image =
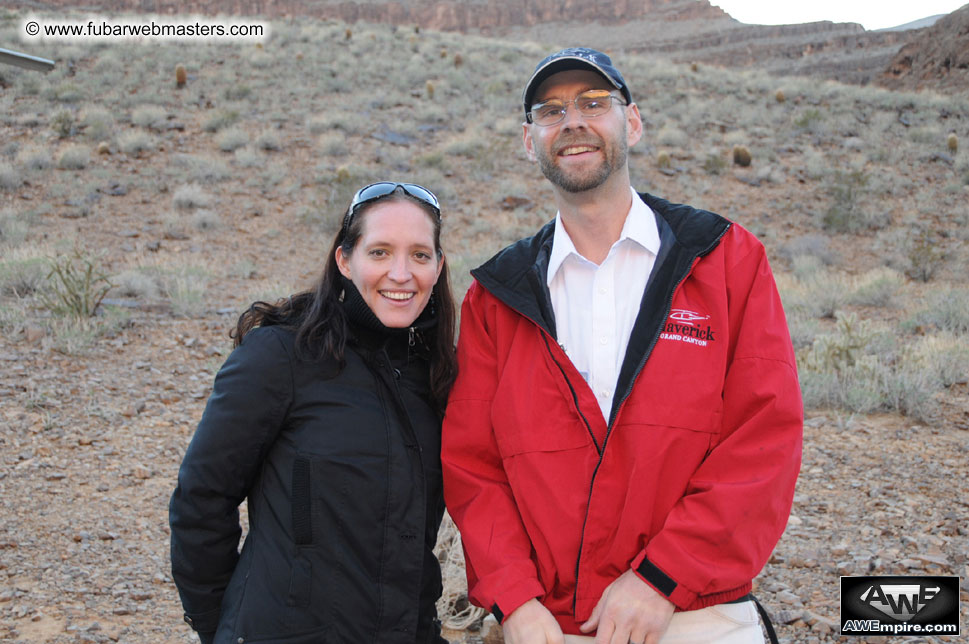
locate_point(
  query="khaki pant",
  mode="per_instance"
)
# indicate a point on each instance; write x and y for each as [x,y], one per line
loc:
[720,624]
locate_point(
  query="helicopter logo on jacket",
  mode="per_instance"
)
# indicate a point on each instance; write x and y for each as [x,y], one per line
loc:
[688,326]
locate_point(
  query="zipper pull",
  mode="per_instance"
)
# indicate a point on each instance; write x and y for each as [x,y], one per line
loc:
[410,336]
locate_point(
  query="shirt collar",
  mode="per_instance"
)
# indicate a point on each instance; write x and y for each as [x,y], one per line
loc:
[639,227]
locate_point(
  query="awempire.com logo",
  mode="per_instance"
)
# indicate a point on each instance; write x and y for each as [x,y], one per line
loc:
[899,605]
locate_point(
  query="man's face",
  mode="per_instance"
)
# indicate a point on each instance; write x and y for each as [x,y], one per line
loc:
[580,154]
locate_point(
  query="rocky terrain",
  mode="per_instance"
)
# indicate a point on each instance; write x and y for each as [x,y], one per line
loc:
[937,57]
[194,201]
[680,30]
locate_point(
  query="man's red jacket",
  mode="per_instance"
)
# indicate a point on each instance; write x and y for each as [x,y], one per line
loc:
[691,481]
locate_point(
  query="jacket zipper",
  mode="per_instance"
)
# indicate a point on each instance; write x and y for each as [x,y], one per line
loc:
[575,397]
[626,393]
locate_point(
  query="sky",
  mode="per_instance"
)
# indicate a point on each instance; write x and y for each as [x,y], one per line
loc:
[871,14]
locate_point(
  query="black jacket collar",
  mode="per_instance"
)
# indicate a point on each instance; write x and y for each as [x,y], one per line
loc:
[517,277]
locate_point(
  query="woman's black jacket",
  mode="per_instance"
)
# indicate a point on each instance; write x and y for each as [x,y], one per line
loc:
[341,468]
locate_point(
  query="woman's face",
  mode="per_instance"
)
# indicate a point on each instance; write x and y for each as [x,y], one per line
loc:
[394,264]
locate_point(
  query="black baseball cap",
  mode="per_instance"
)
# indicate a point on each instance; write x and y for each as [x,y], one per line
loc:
[574,58]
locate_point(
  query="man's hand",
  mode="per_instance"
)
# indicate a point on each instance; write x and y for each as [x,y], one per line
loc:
[531,623]
[629,611]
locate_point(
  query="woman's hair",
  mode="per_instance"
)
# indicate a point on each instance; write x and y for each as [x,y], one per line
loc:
[320,322]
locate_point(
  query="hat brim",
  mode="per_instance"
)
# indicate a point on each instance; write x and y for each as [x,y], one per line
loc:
[565,64]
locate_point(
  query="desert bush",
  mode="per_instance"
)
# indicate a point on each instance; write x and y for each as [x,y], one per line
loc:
[847,210]
[333,144]
[246,158]
[64,93]
[74,157]
[190,197]
[219,119]
[150,116]
[206,220]
[925,256]
[13,229]
[811,245]
[22,273]
[952,143]
[469,145]
[77,284]
[663,159]
[944,356]
[818,293]
[202,169]
[137,284]
[62,124]
[180,76]
[135,143]
[237,92]
[185,289]
[13,316]
[876,288]
[946,309]
[714,163]
[810,120]
[9,177]
[34,157]
[269,141]
[859,367]
[672,136]
[231,139]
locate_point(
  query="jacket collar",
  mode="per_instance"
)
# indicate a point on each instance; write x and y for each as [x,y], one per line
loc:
[517,277]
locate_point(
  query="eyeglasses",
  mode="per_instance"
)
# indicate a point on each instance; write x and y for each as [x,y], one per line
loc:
[381,189]
[590,104]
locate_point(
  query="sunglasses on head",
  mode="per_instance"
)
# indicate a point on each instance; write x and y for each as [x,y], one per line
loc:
[381,189]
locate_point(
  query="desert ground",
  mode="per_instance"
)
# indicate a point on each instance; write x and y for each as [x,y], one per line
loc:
[180,205]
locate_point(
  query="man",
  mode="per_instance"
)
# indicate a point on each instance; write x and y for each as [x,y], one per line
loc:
[621,446]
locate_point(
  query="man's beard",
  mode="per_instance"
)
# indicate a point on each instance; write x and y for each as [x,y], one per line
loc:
[615,158]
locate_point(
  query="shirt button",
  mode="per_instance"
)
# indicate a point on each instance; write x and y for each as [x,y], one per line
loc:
[602,290]
[603,340]
[603,394]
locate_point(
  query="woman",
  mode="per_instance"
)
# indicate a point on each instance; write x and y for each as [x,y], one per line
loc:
[326,417]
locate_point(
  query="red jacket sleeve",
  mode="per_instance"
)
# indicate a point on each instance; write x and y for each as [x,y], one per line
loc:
[721,533]
[501,573]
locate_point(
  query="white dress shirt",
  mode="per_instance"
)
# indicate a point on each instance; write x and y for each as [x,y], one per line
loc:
[596,306]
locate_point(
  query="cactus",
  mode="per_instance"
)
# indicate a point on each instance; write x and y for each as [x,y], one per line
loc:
[348,33]
[180,76]
[694,67]
[779,96]
[443,52]
[741,155]
[104,148]
[952,141]
[429,86]
[458,60]
[663,160]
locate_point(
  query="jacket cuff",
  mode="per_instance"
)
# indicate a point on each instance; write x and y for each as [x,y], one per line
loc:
[507,602]
[207,622]
[662,583]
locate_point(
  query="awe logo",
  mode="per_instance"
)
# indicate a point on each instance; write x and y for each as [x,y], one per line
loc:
[901,601]
[900,605]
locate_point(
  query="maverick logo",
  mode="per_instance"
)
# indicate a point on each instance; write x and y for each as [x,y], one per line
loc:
[685,326]
[899,605]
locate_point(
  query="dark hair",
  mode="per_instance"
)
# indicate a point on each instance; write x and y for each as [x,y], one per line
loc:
[320,322]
